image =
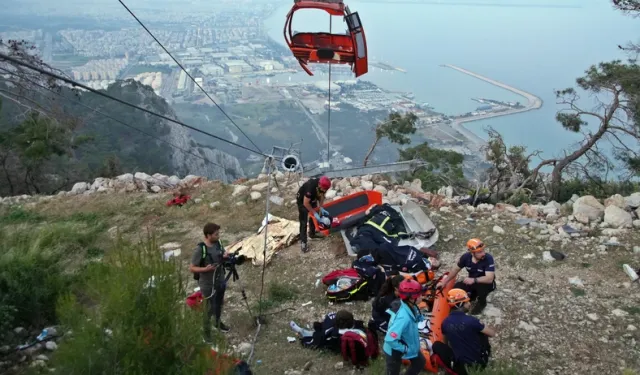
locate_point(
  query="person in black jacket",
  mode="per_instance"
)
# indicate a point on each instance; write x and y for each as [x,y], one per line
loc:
[326,334]
[310,198]
[380,228]
[388,294]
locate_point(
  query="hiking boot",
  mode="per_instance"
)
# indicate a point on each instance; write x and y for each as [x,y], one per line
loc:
[314,236]
[304,247]
[222,327]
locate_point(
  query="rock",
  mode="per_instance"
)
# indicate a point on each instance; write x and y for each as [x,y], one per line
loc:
[244,348]
[51,345]
[636,223]
[20,332]
[125,178]
[631,327]
[338,366]
[589,206]
[276,200]
[633,200]
[617,217]
[526,326]
[498,229]
[636,249]
[255,195]
[214,204]
[173,180]
[330,194]
[593,317]
[445,209]
[239,189]
[615,200]
[619,313]
[381,189]
[79,188]
[416,185]
[260,187]
[581,218]
[38,363]
[366,185]
[307,366]
[156,189]
[546,256]
[576,281]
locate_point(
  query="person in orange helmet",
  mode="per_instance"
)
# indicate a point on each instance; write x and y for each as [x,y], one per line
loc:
[481,269]
[465,339]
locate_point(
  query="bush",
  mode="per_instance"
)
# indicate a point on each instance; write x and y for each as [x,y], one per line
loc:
[31,277]
[130,318]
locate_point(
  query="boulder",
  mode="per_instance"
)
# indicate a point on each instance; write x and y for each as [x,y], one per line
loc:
[239,189]
[260,187]
[616,217]
[589,206]
[366,185]
[616,200]
[380,189]
[633,200]
[79,187]
[255,195]
[330,194]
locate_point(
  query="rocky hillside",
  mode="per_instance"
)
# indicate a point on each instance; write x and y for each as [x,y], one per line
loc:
[563,303]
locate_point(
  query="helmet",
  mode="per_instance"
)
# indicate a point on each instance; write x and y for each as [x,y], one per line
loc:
[324,183]
[475,245]
[409,288]
[456,297]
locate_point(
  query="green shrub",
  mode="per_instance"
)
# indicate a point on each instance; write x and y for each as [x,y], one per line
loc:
[31,277]
[150,328]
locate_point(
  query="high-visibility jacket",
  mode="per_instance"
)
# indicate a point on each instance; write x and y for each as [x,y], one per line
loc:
[387,220]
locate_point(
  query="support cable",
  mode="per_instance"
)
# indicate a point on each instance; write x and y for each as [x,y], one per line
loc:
[187,73]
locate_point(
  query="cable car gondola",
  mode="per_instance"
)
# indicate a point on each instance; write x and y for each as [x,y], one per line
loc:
[349,48]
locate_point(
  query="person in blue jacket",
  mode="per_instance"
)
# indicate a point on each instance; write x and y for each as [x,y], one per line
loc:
[403,339]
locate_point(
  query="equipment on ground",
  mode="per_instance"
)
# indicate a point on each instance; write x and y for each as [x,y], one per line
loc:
[321,47]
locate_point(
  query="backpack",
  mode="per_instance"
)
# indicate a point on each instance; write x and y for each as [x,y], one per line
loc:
[356,349]
[346,285]
[196,275]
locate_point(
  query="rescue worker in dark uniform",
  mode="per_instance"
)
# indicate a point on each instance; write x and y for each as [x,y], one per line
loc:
[466,339]
[380,228]
[481,268]
[310,198]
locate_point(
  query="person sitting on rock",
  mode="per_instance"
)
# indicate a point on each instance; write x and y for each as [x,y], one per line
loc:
[466,339]
[481,269]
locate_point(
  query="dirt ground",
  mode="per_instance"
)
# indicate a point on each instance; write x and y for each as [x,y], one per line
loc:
[545,324]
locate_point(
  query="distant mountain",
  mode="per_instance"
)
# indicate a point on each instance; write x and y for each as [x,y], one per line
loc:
[112,147]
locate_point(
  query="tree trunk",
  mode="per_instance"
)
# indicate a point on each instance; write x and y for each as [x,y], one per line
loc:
[8,177]
[373,146]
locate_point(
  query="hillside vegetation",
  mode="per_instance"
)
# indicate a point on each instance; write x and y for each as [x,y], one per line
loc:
[91,253]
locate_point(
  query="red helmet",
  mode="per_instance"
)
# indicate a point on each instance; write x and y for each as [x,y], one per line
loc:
[409,288]
[325,183]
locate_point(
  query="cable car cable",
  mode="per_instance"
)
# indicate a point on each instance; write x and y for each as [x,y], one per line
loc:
[189,75]
[329,113]
[78,84]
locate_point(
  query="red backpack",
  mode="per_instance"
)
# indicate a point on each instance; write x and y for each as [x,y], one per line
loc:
[355,348]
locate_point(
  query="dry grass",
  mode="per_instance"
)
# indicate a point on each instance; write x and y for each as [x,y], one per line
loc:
[290,279]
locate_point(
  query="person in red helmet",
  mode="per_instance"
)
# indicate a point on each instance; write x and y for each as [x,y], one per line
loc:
[403,339]
[310,198]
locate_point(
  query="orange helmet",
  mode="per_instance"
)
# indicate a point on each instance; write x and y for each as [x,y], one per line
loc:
[457,296]
[475,245]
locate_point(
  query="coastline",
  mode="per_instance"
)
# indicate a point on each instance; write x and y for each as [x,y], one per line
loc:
[533,103]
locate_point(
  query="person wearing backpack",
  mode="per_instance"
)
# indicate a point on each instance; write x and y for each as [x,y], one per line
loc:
[207,267]
[402,340]
[380,305]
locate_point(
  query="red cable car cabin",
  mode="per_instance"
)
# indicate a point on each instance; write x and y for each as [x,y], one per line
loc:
[325,48]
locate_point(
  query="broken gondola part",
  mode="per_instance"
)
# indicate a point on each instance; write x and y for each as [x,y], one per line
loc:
[321,47]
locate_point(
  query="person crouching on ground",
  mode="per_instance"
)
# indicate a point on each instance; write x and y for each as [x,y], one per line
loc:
[481,269]
[206,264]
[402,340]
[466,339]
[388,293]
[311,196]
[326,334]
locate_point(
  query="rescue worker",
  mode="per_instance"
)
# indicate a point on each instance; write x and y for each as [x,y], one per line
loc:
[402,340]
[466,339]
[207,266]
[380,228]
[310,198]
[481,279]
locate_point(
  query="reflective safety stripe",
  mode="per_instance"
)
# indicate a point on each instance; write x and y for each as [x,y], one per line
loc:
[380,226]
